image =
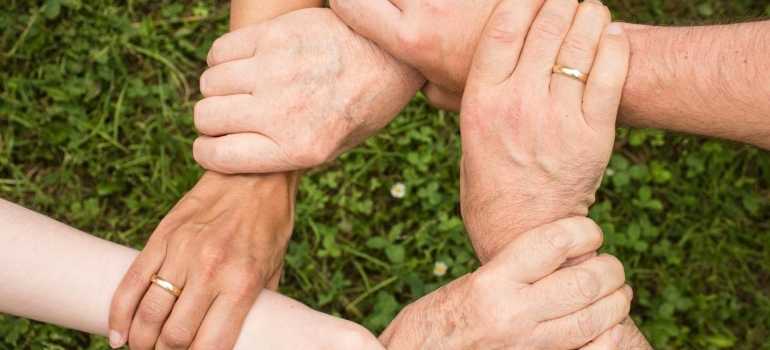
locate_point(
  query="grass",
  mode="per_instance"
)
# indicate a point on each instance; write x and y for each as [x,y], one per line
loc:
[96,127]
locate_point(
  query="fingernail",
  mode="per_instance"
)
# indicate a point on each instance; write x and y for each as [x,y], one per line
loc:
[617,333]
[613,29]
[116,340]
[593,1]
[201,83]
[629,291]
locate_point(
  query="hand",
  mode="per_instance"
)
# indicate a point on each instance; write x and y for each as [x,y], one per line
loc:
[437,37]
[293,93]
[221,244]
[519,300]
[535,143]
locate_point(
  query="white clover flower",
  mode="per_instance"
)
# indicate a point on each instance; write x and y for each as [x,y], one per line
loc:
[398,190]
[609,172]
[439,269]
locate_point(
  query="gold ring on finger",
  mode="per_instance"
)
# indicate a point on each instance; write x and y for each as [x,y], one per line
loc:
[168,286]
[571,73]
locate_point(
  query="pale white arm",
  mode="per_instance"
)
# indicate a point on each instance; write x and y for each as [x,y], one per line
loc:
[56,274]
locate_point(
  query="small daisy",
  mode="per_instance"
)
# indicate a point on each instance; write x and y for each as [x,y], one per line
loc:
[439,269]
[609,172]
[398,190]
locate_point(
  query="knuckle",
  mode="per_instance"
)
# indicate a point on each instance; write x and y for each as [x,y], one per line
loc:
[278,34]
[135,279]
[585,228]
[615,265]
[310,157]
[411,40]
[212,257]
[586,285]
[135,343]
[606,88]
[556,237]
[246,287]
[587,326]
[550,26]
[504,29]
[177,337]
[579,47]
[151,312]
[437,8]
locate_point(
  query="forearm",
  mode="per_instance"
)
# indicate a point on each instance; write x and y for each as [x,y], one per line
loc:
[244,13]
[710,80]
[248,12]
[57,274]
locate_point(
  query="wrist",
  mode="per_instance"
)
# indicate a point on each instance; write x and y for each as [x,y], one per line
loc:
[283,185]
[270,197]
[523,205]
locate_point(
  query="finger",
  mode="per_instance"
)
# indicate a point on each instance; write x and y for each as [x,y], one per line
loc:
[608,75]
[275,281]
[545,39]
[579,48]
[246,153]
[578,260]
[234,77]
[571,289]
[130,291]
[223,322]
[236,45]
[539,252]
[497,53]
[222,115]
[577,329]
[154,310]
[376,20]
[609,340]
[186,317]
[442,98]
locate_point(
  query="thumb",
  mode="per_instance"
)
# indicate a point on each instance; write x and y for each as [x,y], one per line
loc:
[609,340]
[539,252]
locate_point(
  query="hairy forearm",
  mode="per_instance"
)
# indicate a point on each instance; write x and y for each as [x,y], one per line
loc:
[633,339]
[710,80]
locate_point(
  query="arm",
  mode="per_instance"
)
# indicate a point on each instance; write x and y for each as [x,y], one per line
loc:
[535,144]
[248,12]
[709,80]
[702,80]
[239,224]
[63,276]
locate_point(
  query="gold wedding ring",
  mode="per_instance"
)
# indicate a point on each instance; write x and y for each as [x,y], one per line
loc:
[168,286]
[570,72]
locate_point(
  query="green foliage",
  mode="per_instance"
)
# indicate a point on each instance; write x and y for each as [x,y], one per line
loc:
[96,127]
